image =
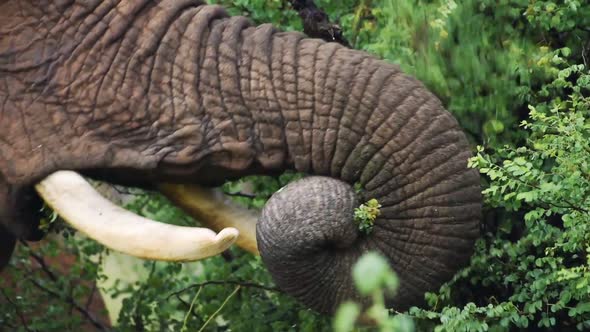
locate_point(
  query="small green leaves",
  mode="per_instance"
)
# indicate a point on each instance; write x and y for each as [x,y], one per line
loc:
[372,272]
[373,277]
[49,217]
[346,317]
[366,214]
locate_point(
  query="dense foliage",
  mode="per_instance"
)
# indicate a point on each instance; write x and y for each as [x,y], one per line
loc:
[513,72]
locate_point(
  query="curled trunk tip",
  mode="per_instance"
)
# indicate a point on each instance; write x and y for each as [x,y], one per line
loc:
[309,241]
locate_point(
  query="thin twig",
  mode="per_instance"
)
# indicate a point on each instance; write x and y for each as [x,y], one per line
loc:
[584,54]
[226,282]
[220,308]
[43,266]
[190,309]
[241,194]
[186,304]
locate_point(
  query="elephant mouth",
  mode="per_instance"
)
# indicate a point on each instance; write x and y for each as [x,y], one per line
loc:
[86,210]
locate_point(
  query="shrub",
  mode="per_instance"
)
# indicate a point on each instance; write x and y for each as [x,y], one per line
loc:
[533,271]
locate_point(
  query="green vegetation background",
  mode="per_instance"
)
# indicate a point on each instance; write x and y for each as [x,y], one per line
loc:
[515,74]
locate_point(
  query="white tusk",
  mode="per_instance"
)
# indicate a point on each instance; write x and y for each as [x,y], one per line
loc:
[215,210]
[79,204]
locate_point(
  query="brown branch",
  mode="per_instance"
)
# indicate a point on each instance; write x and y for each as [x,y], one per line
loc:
[43,266]
[90,296]
[316,23]
[244,284]
[241,194]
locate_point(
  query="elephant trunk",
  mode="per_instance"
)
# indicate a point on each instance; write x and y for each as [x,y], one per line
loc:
[272,100]
[359,121]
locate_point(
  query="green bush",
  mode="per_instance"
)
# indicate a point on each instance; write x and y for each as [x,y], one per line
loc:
[533,270]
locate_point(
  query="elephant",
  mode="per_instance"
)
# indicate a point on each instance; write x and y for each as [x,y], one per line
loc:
[179,96]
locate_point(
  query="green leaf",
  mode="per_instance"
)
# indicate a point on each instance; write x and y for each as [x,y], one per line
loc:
[372,272]
[346,316]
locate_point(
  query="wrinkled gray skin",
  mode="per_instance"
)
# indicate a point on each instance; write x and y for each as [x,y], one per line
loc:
[142,91]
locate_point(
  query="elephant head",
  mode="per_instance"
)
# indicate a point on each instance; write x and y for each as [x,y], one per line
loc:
[170,93]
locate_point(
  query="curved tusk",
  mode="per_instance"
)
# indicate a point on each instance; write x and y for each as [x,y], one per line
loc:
[215,210]
[79,204]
